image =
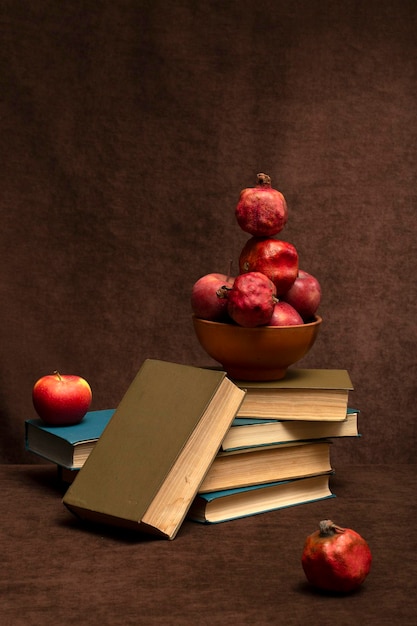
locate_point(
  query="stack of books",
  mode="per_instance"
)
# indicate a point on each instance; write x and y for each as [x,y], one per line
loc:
[266,445]
[277,451]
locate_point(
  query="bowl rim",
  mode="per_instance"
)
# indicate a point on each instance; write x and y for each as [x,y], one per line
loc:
[318,320]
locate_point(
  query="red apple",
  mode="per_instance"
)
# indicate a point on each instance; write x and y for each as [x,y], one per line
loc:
[285,315]
[205,302]
[304,295]
[61,399]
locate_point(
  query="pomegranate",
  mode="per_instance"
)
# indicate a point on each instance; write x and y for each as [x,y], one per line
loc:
[304,295]
[275,258]
[285,315]
[261,210]
[205,302]
[251,300]
[336,559]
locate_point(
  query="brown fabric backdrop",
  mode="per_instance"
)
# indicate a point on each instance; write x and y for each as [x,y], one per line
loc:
[127,131]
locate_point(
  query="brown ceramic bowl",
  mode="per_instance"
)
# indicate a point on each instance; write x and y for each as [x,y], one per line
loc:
[262,353]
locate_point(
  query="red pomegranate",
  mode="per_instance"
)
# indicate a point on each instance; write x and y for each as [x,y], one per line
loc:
[205,302]
[285,315]
[261,210]
[275,258]
[251,300]
[304,295]
[336,559]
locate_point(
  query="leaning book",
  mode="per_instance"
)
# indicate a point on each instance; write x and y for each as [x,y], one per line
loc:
[229,504]
[151,458]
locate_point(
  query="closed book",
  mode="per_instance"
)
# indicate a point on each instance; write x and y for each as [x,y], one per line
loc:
[303,394]
[254,466]
[229,504]
[67,446]
[246,432]
[148,464]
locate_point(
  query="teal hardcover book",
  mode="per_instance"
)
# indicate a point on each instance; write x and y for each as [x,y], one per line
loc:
[67,446]
[244,433]
[221,506]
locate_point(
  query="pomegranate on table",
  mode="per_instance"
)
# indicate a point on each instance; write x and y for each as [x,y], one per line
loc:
[275,258]
[261,210]
[251,300]
[335,558]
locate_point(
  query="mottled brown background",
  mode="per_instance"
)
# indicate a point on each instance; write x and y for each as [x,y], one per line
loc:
[127,131]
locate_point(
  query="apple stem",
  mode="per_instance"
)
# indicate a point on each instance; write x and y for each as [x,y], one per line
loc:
[58,374]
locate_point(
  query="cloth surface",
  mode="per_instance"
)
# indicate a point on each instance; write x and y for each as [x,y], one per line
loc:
[57,571]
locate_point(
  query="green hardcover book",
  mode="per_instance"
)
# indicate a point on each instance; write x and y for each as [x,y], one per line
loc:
[67,446]
[303,394]
[229,504]
[148,464]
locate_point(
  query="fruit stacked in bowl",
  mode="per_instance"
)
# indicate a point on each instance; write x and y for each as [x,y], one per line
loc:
[263,320]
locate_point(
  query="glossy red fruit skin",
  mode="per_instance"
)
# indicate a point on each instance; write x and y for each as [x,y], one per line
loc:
[285,315]
[304,295]
[251,300]
[61,400]
[205,302]
[275,258]
[261,211]
[336,559]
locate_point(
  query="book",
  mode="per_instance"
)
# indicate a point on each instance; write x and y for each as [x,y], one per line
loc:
[303,394]
[249,432]
[146,468]
[229,504]
[254,466]
[255,433]
[67,446]
[267,464]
